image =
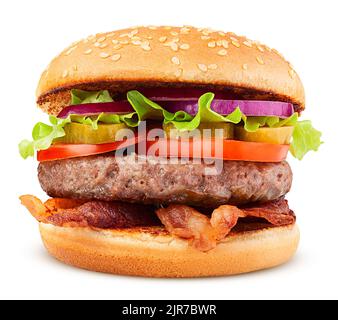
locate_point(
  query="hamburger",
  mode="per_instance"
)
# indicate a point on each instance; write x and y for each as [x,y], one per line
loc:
[165,155]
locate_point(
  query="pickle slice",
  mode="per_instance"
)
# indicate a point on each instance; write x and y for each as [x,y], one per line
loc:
[280,135]
[83,133]
[224,130]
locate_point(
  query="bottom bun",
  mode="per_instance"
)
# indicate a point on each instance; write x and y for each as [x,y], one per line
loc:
[152,252]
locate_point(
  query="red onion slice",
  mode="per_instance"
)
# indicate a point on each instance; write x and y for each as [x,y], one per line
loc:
[89,109]
[225,107]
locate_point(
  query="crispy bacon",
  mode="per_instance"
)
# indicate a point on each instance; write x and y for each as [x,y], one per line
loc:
[36,207]
[185,222]
[223,219]
[96,214]
[105,215]
[276,212]
[204,233]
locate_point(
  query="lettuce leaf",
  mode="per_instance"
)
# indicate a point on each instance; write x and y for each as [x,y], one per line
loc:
[304,139]
[93,121]
[43,136]
[81,96]
[147,109]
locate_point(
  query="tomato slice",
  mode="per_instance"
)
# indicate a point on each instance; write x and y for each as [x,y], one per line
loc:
[64,151]
[207,148]
[213,148]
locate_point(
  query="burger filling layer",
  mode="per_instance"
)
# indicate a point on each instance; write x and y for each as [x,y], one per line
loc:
[193,163]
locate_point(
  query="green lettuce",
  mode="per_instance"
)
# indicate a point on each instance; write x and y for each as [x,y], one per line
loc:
[305,137]
[147,109]
[81,96]
[43,136]
[94,121]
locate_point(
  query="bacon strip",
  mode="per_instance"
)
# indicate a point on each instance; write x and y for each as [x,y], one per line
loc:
[204,233]
[276,212]
[105,215]
[97,214]
[179,220]
[187,223]
[35,206]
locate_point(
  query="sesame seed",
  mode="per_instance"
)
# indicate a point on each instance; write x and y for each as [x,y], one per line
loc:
[124,42]
[103,45]
[65,74]
[175,60]
[97,44]
[178,72]
[212,66]
[225,44]
[278,53]
[91,37]
[114,41]
[260,60]
[248,43]
[116,57]
[245,66]
[172,45]
[162,39]
[75,67]
[175,40]
[174,33]
[184,30]
[101,39]
[134,32]
[167,28]
[260,48]
[88,51]
[136,42]
[222,34]
[234,39]
[209,30]
[70,51]
[292,73]
[222,52]
[124,35]
[150,37]
[152,27]
[117,46]
[202,67]
[104,55]
[205,37]
[235,43]
[212,44]
[135,38]
[184,46]
[145,46]
[219,43]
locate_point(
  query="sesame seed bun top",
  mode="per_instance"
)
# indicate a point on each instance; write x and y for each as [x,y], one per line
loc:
[174,56]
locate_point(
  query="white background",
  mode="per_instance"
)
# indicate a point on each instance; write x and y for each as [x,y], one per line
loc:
[32,32]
